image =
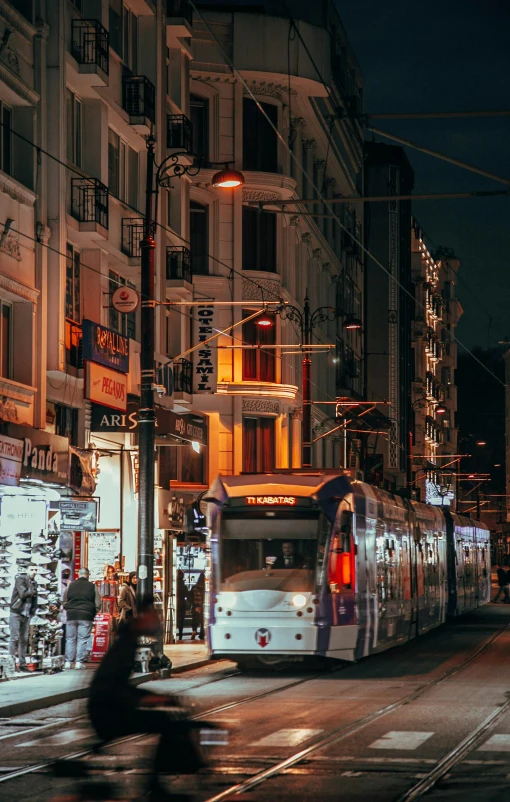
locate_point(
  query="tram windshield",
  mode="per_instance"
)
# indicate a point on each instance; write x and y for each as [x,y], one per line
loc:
[280,552]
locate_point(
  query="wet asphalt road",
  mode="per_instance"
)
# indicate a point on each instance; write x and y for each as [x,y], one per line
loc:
[445,704]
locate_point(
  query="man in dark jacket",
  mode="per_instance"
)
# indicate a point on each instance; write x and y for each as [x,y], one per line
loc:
[82,602]
[503,579]
[23,607]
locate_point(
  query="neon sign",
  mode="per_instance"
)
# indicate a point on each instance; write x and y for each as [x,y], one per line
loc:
[272,501]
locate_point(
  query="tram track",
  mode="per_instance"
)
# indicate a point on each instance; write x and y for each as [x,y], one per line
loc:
[426,783]
[37,767]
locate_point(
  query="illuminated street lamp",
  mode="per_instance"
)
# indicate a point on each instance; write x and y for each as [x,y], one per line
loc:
[146,421]
[481,443]
[441,409]
[352,323]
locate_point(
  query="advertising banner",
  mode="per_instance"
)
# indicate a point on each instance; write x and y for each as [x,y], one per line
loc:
[105,386]
[205,359]
[103,549]
[105,346]
[78,516]
[102,636]
[11,457]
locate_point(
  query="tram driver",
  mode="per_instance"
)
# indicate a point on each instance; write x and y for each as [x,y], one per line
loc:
[288,559]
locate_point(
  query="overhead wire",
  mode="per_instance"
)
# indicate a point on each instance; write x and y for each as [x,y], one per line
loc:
[230,63]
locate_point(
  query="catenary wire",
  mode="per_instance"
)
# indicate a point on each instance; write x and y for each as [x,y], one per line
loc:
[230,63]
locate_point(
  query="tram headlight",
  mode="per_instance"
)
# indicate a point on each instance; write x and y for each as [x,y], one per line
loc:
[299,600]
[228,599]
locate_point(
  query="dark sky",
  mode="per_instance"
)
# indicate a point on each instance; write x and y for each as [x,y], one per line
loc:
[448,55]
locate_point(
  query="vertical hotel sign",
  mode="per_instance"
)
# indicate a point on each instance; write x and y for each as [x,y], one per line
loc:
[205,365]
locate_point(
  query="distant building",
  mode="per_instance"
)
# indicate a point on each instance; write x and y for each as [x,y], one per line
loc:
[389,311]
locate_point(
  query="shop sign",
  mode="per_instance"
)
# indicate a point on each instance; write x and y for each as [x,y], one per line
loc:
[187,427]
[105,346]
[78,516]
[77,554]
[204,367]
[125,300]
[45,456]
[102,637]
[11,458]
[105,386]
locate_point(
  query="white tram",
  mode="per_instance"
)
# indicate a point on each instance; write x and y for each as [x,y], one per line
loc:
[316,564]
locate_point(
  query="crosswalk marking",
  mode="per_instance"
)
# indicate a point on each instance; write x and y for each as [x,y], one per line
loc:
[496,743]
[401,740]
[59,739]
[287,737]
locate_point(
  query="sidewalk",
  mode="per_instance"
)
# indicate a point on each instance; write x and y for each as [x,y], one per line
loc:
[27,693]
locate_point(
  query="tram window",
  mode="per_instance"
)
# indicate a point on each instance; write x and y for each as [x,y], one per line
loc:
[275,563]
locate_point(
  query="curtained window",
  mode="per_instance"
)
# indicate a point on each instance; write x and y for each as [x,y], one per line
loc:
[259,240]
[199,238]
[258,445]
[260,143]
[257,362]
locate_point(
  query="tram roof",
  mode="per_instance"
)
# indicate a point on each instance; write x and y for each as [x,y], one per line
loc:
[295,484]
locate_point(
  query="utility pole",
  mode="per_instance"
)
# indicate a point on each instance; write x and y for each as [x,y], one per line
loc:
[306,367]
[146,419]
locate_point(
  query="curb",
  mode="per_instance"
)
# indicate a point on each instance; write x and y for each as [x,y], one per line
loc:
[29,705]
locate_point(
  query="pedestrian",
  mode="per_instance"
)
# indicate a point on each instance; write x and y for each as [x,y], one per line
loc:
[182,598]
[503,579]
[22,608]
[82,602]
[127,597]
[197,607]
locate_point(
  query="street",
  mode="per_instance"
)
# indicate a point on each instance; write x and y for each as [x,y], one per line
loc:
[433,712]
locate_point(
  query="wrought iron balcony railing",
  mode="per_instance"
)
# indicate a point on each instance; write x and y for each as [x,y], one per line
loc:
[132,235]
[179,132]
[89,201]
[139,97]
[180,9]
[178,264]
[183,372]
[90,43]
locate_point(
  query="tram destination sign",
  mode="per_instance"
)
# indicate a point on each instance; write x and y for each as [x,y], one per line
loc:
[287,502]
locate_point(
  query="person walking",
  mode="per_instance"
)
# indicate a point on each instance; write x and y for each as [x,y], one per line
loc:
[503,580]
[127,597]
[197,607]
[82,602]
[182,598]
[22,608]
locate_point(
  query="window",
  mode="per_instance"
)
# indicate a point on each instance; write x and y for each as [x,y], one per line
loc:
[122,170]
[258,445]
[73,282]
[259,240]
[123,28]
[24,7]
[199,113]
[62,420]
[199,238]
[260,143]
[180,463]
[74,139]
[124,324]
[6,139]
[5,340]
[258,363]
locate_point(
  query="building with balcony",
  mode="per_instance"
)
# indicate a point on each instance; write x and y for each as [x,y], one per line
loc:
[434,394]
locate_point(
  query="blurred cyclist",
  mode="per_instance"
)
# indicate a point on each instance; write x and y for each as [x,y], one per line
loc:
[116,706]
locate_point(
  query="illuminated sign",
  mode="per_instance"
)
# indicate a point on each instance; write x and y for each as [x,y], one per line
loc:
[271,501]
[105,346]
[105,386]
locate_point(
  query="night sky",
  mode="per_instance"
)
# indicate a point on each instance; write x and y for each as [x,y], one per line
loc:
[448,55]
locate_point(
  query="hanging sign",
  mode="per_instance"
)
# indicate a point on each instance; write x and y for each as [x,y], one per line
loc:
[78,516]
[105,386]
[125,300]
[105,346]
[204,365]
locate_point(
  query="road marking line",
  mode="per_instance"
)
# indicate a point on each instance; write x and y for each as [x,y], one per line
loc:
[287,737]
[496,743]
[60,739]
[401,740]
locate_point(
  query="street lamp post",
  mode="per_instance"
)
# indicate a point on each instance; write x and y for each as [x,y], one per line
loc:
[225,178]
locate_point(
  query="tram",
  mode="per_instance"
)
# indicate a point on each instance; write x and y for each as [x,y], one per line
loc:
[317,564]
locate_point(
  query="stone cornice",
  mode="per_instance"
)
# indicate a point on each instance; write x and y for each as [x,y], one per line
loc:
[17,391]
[19,289]
[16,190]
[18,86]
[17,20]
